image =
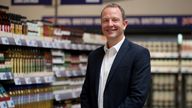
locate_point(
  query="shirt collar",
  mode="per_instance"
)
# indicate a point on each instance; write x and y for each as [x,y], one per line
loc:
[116,47]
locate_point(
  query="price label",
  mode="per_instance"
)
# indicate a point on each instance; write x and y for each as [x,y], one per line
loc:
[5,40]
[87,47]
[29,43]
[58,73]
[3,76]
[18,41]
[57,45]
[52,78]
[74,95]
[49,44]
[74,73]
[77,93]
[10,75]
[73,46]
[10,103]
[28,80]
[17,81]
[33,81]
[54,45]
[32,43]
[67,46]
[50,95]
[80,47]
[57,97]
[48,79]
[38,80]
[83,72]
[45,44]
[3,104]
[93,47]
[68,73]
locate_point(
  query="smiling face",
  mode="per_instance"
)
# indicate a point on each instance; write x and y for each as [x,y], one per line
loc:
[112,23]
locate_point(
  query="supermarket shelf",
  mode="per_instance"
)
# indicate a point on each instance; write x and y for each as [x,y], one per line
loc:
[7,104]
[186,54]
[67,94]
[68,82]
[41,78]
[57,61]
[31,42]
[6,76]
[57,53]
[164,69]
[171,70]
[57,83]
[24,99]
[164,55]
[69,73]
[186,69]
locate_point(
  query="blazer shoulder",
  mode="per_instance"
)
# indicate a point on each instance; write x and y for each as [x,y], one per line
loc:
[136,47]
[97,52]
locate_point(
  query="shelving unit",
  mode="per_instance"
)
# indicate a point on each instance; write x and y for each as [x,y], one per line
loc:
[171,70]
[62,65]
[186,68]
[164,68]
[65,72]
[42,65]
[70,76]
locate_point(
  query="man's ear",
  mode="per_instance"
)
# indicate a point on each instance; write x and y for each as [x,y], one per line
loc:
[125,23]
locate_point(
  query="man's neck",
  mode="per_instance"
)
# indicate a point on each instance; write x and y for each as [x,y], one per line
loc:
[114,41]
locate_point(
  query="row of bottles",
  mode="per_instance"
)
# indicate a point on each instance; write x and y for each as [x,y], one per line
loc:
[70,67]
[163,91]
[168,47]
[166,66]
[5,66]
[71,103]
[26,60]
[18,24]
[188,90]
[5,99]
[164,82]
[160,46]
[31,96]
[186,48]
[69,62]
[75,62]
[15,25]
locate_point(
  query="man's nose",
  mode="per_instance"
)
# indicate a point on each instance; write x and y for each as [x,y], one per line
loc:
[110,23]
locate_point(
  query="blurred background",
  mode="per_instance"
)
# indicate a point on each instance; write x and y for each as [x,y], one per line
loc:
[44,45]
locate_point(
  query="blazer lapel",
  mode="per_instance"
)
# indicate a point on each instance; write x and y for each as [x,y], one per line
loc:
[98,62]
[122,51]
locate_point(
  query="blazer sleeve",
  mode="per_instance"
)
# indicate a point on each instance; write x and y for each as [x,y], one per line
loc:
[140,81]
[84,96]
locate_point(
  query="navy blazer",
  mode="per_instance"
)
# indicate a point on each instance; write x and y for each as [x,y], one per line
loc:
[128,82]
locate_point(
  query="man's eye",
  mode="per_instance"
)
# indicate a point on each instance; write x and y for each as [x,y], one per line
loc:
[115,19]
[105,20]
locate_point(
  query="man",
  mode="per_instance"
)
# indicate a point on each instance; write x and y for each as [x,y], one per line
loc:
[118,74]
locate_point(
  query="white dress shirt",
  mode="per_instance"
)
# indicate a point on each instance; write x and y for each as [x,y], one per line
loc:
[107,62]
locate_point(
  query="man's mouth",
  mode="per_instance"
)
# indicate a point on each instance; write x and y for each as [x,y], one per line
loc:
[111,30]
